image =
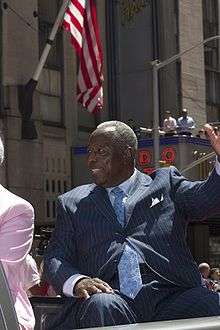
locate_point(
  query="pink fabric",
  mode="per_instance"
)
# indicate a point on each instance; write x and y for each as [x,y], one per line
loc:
[16,235]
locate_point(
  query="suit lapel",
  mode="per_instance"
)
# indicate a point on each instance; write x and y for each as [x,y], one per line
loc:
[139,190]
[100,198]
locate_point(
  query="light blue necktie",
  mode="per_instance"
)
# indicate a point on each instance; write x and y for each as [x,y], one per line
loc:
[118,204]
[128,268]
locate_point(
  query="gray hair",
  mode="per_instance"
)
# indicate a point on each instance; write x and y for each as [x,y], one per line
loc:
[121,134]
[1,151]
[203,266]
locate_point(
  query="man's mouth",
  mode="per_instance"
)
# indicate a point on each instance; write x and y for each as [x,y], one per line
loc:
[95,170]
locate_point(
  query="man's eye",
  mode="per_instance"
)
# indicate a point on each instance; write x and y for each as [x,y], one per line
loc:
[102,151]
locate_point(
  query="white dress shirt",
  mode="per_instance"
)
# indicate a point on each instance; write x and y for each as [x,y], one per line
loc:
[69,285]
[169,124]
[185,123]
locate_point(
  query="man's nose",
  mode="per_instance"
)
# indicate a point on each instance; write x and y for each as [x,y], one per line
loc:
[91,156]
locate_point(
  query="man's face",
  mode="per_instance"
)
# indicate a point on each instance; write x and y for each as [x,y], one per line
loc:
[206,272]
[184,113]
[106,161]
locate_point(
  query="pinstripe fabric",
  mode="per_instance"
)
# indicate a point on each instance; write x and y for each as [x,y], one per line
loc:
[89,240]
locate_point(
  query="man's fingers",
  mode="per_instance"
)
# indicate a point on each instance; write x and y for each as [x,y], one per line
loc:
[88,286]
[103,288]
[214,138]
[104,284]
[83,294]
[208,127]
[98,288]
[210,132]
[94,289]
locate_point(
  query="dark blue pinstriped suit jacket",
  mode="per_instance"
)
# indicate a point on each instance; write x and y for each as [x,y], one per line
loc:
[89,240]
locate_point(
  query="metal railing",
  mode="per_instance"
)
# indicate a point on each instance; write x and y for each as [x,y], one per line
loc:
[198,161]
[204,323]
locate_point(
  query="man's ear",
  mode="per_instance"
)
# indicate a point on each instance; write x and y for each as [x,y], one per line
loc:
[128,153]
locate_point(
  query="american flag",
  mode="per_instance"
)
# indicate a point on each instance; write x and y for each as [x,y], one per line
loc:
[81,20]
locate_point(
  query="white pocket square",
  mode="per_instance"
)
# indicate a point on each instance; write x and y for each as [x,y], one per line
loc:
[155,201]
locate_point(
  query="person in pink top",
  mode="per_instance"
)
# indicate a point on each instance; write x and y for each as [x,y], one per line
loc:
[16,235]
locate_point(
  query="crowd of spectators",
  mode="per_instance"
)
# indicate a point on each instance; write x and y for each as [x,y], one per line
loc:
[184,125]
[210,276]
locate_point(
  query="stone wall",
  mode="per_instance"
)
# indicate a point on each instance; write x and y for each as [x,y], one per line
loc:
[192,63]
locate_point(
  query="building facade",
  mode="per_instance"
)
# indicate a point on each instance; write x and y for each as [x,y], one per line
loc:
[133,34]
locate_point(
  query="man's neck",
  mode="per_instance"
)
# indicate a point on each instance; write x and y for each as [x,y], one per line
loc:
[126,177]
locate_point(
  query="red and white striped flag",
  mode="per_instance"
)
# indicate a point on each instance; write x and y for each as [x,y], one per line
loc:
[81,20]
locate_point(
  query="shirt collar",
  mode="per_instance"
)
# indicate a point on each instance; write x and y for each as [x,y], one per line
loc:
[126,185]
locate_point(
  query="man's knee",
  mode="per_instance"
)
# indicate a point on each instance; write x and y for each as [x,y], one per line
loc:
[103,309]
[210,304]
[195,302]
[100,301]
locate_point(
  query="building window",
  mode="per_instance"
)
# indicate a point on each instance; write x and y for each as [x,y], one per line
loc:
[59,186]
[48,209]
[210,17]
[51,108]
[53,186]
[214,250]
[213,87]
[64,186]
[47,11]
[50,82]
[54,60]
[214,241]
[54,209]
[47,186]
[211,49]
[56,179]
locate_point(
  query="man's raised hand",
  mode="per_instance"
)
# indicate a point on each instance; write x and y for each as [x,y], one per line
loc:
[214,138]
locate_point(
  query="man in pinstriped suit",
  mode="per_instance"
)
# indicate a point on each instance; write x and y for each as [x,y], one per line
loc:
[83,256]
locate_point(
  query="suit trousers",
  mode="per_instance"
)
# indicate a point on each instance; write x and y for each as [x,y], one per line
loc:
[150,304]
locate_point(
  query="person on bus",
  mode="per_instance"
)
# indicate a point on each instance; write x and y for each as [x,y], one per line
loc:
[16,235]
[118,251]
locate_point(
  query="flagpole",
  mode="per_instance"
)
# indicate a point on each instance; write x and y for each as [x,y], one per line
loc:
[50,40]
[156,119]
[26,95]
[157,65]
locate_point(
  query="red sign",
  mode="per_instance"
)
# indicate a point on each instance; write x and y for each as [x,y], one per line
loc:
[168,155]
[144,157]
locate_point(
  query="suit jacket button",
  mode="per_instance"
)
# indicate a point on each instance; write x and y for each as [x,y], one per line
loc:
[119,237]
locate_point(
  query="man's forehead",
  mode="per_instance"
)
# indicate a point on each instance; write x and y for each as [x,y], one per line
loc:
[104,130]
[106,133]
[99,144]
[101,140]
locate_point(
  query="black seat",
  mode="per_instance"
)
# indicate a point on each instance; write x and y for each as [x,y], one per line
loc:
[45,307]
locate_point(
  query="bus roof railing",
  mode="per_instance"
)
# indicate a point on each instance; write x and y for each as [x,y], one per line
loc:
[198,161]
[203,323]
